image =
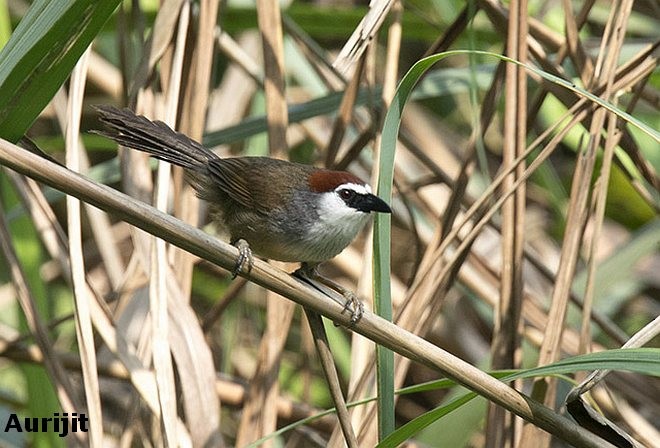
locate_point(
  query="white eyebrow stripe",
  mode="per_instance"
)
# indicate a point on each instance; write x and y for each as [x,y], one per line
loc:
[358,188]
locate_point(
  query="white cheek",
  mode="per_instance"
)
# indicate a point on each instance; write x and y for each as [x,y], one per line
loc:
[333,210]
[338,224]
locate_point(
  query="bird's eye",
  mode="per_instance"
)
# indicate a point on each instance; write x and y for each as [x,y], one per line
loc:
[346,194]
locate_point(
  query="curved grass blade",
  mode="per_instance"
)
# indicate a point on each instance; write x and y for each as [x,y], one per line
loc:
[642,360]
[382,227]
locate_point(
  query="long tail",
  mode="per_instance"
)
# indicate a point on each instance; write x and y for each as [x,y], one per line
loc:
[153,137]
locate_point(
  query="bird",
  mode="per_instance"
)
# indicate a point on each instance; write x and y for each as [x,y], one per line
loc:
[273,208]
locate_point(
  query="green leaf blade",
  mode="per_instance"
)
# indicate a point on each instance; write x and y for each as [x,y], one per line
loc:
[40,55]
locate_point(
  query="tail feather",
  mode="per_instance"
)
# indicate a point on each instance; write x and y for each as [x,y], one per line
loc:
[153,137]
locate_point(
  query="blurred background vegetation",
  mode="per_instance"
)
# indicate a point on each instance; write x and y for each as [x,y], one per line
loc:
[580,233]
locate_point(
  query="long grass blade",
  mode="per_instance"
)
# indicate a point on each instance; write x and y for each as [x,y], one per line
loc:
[40,55]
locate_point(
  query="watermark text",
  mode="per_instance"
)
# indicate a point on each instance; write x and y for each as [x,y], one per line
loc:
[61,424]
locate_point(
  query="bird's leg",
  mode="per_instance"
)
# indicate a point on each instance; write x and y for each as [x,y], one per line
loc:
[244,257]
[310,275]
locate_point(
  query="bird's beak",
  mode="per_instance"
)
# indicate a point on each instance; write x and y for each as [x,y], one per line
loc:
[372,203]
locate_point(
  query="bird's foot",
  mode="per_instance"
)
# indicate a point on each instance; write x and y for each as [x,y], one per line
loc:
[244,259]
[351,304]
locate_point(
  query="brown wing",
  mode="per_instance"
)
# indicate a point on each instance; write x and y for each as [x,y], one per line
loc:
[249,180]
[232,177]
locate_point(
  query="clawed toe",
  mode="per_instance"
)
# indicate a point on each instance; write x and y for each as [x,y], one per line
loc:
[354,306]
[244,256]
[351,302]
